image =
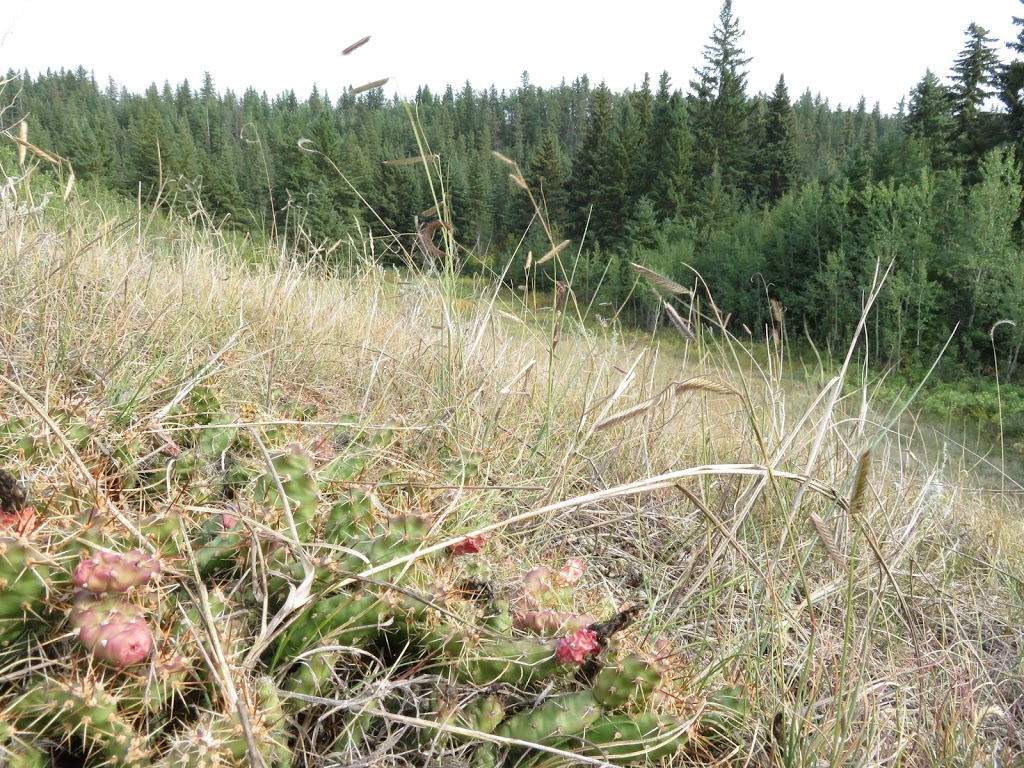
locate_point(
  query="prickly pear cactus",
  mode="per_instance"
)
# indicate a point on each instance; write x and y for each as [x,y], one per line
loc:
[215,595]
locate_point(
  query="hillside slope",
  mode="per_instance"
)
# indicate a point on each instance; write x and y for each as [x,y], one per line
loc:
[343,495]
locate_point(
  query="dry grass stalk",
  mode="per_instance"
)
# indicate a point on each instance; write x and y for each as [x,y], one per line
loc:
[678,322]
[23,145]
[355,45]
[23,142]
[552,253]
[369,86]
[417,160]
[675,388]
[508,389]
[827,540]
[860,495]
[506,160]
[660,281]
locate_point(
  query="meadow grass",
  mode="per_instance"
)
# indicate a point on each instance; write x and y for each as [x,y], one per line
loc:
[782,540]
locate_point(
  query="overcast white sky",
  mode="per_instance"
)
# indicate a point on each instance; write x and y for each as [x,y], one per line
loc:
[842,50]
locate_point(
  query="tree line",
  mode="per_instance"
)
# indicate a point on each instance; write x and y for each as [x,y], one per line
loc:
[770,200]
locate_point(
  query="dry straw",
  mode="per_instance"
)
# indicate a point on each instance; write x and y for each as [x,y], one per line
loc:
[674,389]
[356,44]
[369,86]
[417,160]
[507,161]
[660,281]
[552,253]
[678,322]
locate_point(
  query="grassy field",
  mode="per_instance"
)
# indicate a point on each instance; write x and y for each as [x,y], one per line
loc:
[807,588]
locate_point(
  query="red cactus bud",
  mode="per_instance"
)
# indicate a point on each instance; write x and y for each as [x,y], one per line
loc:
[574,648]
[468,546]
[22,521]
[107,571]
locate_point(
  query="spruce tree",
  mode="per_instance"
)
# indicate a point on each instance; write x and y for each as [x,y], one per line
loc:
[669,152]
[930,121]
[588,171]
[720,111]
[975,74]
[546,178]
[1011,87]
[643,169]
[777,156]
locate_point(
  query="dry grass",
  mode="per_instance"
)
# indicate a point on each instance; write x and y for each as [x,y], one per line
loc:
[871,607]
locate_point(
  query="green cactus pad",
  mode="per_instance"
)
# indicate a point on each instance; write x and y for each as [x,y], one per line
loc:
[349,518]
[86,712]
[24,578]
[643,737]
[216,437]
[309,678]
[340,620]
[486,661]
[484,714]
[630,683]
[724,713]
[558,716]
[294,472]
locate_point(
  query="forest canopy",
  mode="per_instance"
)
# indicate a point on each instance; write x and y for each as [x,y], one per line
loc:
[767,197]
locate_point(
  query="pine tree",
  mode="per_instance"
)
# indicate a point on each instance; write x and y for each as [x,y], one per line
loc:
[633,139]
[930,121]
[1011,86]
[720,111]
[588,173]
[975,74]
[669,152]
[777,156]
[546,178]
[642,170]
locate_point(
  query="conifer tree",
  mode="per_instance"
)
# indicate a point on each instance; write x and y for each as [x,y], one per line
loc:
[633,140]
[975,74]
[588,171]
[1011,86]
[670,152]
[643,169]
[930,121]
[777,156]
[720,111]
[547,178]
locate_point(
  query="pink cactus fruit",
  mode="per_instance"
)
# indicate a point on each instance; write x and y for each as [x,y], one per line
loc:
[115,632]
[107,571]
[574,648]
[537,585]
[468,546]
[571,572]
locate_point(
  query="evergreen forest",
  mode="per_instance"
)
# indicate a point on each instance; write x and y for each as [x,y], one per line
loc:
[770,199]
